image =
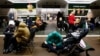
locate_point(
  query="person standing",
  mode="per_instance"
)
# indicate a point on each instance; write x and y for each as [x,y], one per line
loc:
[5,22]
[58,17]
[71,20]
[90,19]
[29,21]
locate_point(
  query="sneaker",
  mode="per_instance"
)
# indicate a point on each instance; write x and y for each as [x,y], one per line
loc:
[4,51]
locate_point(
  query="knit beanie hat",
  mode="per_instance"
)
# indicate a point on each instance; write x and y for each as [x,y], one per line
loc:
[11,22]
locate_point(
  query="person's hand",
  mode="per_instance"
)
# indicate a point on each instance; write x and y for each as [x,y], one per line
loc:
[54,45]
[74,22]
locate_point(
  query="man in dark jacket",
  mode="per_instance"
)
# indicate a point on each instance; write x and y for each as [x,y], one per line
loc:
[29,22]
[8,35]
[71,20]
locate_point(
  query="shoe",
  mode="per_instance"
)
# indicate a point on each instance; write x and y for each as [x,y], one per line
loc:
[4,51]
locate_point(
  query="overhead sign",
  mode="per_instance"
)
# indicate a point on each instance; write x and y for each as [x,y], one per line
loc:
[80,1]
[86,6]
[25,12]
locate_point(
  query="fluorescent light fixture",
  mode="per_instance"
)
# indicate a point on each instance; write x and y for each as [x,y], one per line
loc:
[49,10]
[32,1]
[23,1]
[80,1]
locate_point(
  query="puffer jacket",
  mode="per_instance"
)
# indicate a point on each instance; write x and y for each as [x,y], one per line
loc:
[22,33]
[54,37]
[71,19]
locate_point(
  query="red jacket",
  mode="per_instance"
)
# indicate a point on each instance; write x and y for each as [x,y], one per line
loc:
[71,19]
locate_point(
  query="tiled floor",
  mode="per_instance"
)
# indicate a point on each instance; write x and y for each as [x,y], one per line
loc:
[39,51]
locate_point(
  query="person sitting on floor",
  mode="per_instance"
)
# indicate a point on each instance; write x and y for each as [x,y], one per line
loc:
[54,42]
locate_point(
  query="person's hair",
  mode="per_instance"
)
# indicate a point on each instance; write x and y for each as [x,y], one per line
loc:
[28,16]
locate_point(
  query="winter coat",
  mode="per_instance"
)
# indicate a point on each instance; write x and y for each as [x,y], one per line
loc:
[29,22]
[71,19]
[22,33]
[54,37]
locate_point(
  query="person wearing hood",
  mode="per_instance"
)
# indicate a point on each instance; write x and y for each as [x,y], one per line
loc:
[22,33]
[54,42]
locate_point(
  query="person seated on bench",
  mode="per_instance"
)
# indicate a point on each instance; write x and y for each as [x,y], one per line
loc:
[54,42]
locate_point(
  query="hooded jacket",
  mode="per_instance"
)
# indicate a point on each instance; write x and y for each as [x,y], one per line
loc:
[54,37]
[22,33]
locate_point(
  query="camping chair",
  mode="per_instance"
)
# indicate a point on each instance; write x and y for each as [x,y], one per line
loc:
[31,40]
[88,48]
[29,46]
